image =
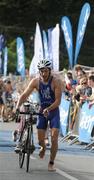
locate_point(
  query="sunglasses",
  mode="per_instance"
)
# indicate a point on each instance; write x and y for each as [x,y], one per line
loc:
[84,83]
[44,70]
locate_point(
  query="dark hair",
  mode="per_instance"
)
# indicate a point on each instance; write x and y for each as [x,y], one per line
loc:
[69,74]
[91,77]
[78,68]
[8,82]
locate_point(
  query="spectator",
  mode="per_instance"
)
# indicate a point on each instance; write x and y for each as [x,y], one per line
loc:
[79,73]
[91,84]
[83,90]
[72,82]
[2,99]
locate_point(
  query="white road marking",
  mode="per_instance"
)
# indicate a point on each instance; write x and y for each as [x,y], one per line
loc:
[62,173]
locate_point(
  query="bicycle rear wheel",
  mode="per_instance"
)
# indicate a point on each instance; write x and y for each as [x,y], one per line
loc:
[28,149]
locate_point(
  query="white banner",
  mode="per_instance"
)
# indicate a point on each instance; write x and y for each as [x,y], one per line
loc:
[5,60]
[55,47]
[38,51]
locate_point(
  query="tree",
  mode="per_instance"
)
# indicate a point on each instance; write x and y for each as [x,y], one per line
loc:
[19,17]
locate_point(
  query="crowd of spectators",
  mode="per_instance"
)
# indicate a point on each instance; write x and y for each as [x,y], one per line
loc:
[10,90]
[77,84]
[79,89]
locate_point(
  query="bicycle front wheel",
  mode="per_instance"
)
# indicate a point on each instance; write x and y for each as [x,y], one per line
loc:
[21,159]
[22,152]
[28,149]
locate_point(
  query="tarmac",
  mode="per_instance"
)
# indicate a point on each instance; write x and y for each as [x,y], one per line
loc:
[6,140]
[8,126]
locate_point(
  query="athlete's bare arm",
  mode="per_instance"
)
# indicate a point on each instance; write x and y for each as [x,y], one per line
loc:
[32,85]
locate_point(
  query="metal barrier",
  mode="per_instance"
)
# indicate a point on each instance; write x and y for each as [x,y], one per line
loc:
[83,125]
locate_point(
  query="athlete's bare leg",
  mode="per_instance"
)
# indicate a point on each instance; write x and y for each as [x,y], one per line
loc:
[41,138]
[54,147]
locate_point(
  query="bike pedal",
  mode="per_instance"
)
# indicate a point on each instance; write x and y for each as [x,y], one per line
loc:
[23,151]
[17,151]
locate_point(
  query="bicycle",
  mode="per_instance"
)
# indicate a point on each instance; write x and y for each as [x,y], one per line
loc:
[26,138]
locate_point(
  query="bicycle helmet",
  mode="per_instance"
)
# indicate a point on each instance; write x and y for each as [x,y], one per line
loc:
[44,63]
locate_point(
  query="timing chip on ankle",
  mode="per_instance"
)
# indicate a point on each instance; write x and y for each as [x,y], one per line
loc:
[51,162]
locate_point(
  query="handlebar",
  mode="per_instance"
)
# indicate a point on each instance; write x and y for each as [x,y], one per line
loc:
[31,113]
[18,113]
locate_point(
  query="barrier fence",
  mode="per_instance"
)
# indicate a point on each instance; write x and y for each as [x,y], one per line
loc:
[83,125]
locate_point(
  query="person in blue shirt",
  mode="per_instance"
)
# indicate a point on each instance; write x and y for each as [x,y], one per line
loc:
[49,88]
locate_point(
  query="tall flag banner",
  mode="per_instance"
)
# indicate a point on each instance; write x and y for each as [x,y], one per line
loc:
[5,60]
[84,16]
[67,30]
[2,45]
[20,57]
[55,47]
[45,45]
[50,44]
[38,51]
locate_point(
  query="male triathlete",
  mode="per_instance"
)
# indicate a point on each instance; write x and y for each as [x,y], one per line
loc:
[49,88]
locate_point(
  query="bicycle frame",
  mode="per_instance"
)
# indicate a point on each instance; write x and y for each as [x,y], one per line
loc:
[26,138]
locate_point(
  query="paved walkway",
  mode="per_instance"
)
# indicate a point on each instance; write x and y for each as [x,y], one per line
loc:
[5,126]
[6,140]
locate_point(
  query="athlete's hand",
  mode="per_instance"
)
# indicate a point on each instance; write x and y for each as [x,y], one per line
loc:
[45,112]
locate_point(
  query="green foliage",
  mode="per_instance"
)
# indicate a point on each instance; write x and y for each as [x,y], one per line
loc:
[19,17]
[12,57]
[11,60]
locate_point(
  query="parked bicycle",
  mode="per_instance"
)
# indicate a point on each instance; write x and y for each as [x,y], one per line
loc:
[26,138]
